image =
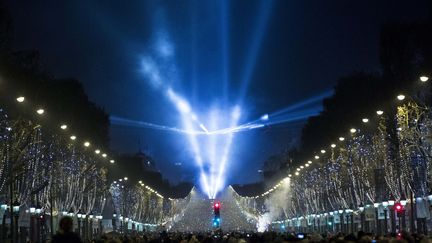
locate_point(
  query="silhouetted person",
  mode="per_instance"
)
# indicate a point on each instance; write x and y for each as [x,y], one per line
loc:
[65,234]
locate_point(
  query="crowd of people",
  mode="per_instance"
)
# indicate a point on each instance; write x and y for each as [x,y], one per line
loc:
[66,235]
[253,237]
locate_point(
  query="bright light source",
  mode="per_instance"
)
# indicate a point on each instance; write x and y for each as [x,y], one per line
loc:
[112,161]
[265,117]
[63,127]
[365,120]
[297,173]
[73,137]
[20,99]
[341,139]
[316,157]
[424,78]
[298,169]
[323,151]
[333,145]
[87,144]
[125,178]
[301,166]
[40,111]
[307,165]
[104,155]
[97,151]
[380,112]
[401,97]
[353,130]
[309,162]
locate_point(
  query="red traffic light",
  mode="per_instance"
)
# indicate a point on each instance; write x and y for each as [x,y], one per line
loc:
[398,207]
[217,205]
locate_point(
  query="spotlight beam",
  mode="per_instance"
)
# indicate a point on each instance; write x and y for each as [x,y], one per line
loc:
[257,38]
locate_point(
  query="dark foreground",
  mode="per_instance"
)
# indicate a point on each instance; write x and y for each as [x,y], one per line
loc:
[237,237]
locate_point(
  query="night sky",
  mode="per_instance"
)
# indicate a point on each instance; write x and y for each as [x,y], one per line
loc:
[281,52]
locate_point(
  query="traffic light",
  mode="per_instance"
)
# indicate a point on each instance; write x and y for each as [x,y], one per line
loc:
[216,211]
[399,209]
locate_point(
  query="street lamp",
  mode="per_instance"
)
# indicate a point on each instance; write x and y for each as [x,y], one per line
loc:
[71,212]
[3,231]
[424,78]
[401,97]
[15,210]
[362,215]
[20,99]
[79,216]
[91,224]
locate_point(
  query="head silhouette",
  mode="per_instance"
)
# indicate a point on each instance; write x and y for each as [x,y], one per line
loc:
[66,224]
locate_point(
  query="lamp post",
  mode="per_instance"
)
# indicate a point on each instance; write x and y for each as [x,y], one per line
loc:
[38,215]
[391,203]
[79,215]
[362,216]
[121,224]
[100,217]
[32,211]
[377,223]
[385,205]
[84,226]
[403,202]
[15,210]
[3,232]
[91,225]
[341,220]
[349,220]
[114,219]
[126,226]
